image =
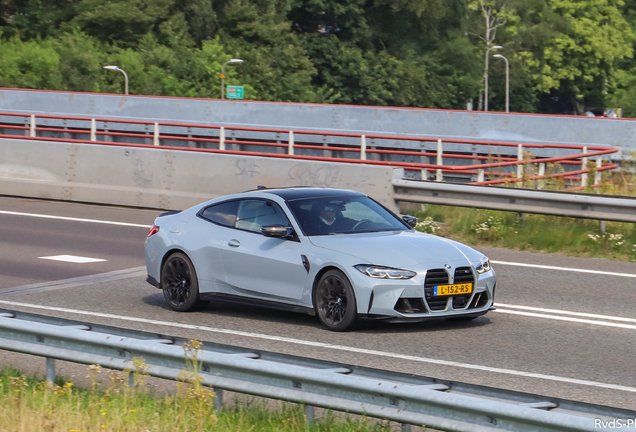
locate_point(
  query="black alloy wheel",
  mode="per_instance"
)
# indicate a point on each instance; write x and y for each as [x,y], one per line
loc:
[335,301]
[180,284]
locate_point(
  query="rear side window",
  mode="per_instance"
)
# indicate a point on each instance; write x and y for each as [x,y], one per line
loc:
[222,214]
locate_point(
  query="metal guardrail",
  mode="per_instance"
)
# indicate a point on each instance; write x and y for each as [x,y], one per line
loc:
[479,161]
[408,399]
[603,208]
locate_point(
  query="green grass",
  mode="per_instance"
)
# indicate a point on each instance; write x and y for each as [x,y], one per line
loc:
[29,405]
[540,233]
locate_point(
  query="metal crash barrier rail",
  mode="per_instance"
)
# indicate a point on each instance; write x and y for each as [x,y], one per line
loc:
[407,399]
[474,161]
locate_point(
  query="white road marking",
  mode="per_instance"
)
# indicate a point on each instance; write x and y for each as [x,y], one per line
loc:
[546,267]
[73,259]
[628,275]
[333,347]
[562,312]
[570,319]
[74,219]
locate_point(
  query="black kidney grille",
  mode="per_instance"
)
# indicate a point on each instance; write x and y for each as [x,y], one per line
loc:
[435,277]
[462,275]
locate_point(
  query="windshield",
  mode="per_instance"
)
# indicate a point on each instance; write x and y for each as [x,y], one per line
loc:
[343,215]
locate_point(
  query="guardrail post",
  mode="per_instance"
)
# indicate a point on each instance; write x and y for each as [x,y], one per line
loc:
[131,380]
[218,400]
[155,139]
[406,427]
[290,146]
[439,177]
[222,138]
[50,370]
[309,414]
[541,174]
[601,226]
[519,159]
[363,148]
[584,167]
[93,130]
[597,174]
[424,174]
[32,128]
[480,175]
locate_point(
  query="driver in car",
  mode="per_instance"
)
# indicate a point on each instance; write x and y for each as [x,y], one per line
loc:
[330,219]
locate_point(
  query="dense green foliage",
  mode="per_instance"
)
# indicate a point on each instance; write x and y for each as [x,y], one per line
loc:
[566,56]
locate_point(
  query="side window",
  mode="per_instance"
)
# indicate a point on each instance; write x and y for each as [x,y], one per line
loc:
[252,215]
[222,214]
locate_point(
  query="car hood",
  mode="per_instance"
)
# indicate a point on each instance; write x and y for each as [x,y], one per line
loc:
[399,249]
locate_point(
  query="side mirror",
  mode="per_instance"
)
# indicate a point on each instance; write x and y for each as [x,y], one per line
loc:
[410,221]
[277,231]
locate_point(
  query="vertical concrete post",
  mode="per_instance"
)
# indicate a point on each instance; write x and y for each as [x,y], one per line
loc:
[131,380]
[584,167]
[597,174]
[406,427]
[519,159]
[439,177]
[290,145]
[363,148]
[50,370]
[222,138]
[32,128]
[602,226]
[480,175]
[155,139]
[93,130]
[424,174]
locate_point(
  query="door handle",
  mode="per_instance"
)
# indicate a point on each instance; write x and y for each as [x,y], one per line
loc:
[234,243]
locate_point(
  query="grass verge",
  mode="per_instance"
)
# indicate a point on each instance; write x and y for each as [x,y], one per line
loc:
[539,233]
[29,405]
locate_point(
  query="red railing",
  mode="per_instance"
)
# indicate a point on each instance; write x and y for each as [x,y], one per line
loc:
[483,165]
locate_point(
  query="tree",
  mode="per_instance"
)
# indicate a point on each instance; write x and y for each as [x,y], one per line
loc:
[122,22]
[579,60]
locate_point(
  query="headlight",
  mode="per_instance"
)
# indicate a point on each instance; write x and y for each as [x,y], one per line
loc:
[384,272]
[484,265]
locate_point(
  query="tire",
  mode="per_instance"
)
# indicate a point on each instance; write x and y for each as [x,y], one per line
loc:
[180,284]
[335,301]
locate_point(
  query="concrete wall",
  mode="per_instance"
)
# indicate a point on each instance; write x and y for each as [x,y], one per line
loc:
[165,179]
[421,122]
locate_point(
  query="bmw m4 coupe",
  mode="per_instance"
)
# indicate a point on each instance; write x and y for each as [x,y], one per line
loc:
[336,254]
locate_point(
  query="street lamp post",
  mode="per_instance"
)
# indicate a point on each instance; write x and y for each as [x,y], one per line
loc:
[116,68]
[486,76]
[507,81]
[223,75]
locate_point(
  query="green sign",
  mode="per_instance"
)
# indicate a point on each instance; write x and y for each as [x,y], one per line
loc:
[235,92]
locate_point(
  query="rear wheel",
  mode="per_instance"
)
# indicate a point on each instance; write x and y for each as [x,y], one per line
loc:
[180,284]
[335,301]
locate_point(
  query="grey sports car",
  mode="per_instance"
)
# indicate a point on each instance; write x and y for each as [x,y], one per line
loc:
[333,253]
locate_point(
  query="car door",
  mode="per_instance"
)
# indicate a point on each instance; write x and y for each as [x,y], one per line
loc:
[264,267]
[211,226]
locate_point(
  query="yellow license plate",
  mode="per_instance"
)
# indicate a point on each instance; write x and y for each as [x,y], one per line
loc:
[456,289]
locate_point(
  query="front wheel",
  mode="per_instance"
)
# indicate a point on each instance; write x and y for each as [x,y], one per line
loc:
[180,284]
[335,301]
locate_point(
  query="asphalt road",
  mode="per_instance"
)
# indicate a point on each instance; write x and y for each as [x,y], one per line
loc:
[563,328]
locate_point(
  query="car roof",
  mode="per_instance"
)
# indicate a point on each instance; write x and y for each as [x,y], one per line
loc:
[296,193]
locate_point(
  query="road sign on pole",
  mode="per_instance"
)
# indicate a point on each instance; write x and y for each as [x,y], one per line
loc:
[235,92]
